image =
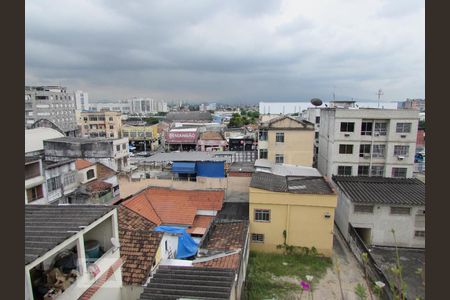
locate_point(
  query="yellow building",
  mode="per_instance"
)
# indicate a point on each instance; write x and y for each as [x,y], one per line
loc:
[297,200]
[286,140]
[139,133]
[100,124]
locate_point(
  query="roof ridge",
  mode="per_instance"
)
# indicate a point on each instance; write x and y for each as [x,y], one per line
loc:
[149,202]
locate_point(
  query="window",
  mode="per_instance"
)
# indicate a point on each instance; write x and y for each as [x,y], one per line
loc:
[399,210]
[345,170]
[378,151]
[347,126]
[317,120]
[380,128]
[358,208]
[54,183]
[279,137]
[263,135]
[363,170]
[364,150]
[403,128]
[111,135]
[419,233]
[366,128]
[85,119]
[262,215]
[316,135]
[263,153]
[125,133]
[101,118]
[118,148]
[111,119]
[345,149]
[111,126]
[86,126]
[35,193]
[257,238]
[124,146]
[93,118]
[399,172]
[377,171]
[69,179]
[90,174]
[279,158]
[402,150]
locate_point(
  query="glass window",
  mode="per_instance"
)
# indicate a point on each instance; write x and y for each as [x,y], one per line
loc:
[262,215]
[93,118]
[111,126]
[366,128]
[317,120]
[279,137]
[257,238]
[363,170]
[345,170]
[90,174]
[125,133]
[377,171]
[263,154]
[403,128]
[111,118]
[118,147]
[419,233]
[378,150]
[364,150]
[124,146]
[380,128]
[345,149]
[363,209]
[399,172]
[34,193]
[263,135]
[316,135]
[402,150]
[279,158]
[347,126]
[54,183]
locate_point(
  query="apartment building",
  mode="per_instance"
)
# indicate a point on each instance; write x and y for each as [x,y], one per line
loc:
[367,142]
[286,140]
[135,106]
[418,104]
[106,124]
[143,137]
[312,115]
[81,100]
[52,103]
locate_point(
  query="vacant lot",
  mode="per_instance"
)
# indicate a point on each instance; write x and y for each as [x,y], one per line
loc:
[274,276]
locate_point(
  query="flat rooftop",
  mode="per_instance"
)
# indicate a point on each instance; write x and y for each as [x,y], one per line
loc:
[77,140]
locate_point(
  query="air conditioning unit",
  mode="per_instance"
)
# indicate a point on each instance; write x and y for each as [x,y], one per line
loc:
[376,134]
[403,136]
[400,157]
[347,134]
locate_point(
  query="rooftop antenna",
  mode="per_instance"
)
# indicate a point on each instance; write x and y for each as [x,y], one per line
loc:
[334,93]
[379,94]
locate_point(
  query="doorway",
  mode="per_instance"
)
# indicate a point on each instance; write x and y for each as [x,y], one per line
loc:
[364,234]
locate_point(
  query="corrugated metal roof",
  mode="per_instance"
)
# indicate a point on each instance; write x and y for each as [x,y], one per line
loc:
[290,184]
[47,226]
[183,156]
[380,190]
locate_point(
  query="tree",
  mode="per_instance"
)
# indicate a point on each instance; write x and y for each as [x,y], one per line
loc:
[235,121]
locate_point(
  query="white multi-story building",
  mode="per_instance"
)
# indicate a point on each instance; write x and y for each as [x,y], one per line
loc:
[367,142]
[138,106]
[51,103]
[312,115]
[81,100]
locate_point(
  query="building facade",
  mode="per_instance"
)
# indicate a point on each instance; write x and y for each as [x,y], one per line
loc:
[81,100]
[52,103]
[286,140]
[294,209]
[312,115]
[134,106]
[105,124]
[143,137]
[367,142]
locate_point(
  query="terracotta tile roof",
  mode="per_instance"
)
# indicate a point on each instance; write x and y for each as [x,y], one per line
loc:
[168,206]
[82,163]
[104,171]
[227,235]
[97,186]
[211,135]
[139,245]
[200,224]
[227,262]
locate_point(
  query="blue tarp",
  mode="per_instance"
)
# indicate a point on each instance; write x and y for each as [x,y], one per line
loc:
[214,169]
[187,247]
[184,167]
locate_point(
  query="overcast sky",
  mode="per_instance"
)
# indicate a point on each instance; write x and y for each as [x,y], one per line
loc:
[235,50]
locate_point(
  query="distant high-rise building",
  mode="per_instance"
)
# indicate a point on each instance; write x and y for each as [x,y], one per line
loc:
[50,103]
[81,101]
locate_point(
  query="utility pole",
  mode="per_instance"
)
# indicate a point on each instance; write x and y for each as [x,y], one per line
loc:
[379,94]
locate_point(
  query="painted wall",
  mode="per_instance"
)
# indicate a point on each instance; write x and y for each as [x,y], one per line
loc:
[301,215]
[131,292]
[111,289]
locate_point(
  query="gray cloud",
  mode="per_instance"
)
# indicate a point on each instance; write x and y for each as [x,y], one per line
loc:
[227,50]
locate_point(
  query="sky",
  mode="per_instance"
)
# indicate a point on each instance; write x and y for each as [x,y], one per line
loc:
[228,51]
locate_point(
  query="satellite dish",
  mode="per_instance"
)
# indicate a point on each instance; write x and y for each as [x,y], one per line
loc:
[316,102]
[115,242]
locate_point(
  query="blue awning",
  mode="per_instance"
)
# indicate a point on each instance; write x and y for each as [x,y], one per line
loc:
[184,167]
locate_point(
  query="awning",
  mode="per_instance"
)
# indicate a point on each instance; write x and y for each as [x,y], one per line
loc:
[184,167]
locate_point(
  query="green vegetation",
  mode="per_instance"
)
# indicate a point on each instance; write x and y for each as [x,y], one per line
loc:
[151,120]
[244,118]
[266,273]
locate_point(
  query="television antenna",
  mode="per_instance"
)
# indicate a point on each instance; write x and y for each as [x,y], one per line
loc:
[379,94]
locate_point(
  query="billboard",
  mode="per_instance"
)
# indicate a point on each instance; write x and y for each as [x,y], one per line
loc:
[181,137]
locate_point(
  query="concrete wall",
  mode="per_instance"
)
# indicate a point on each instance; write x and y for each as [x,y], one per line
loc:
[131,292]
[111,289]
[301,215]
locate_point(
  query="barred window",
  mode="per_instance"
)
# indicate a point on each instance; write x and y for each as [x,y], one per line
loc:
[381,128]
[399,210]
[53,183]
[403,128]
[378,150]
[257,238]
[262,215]
[401,150]
[280,137]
